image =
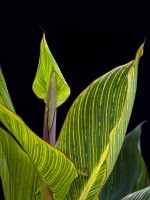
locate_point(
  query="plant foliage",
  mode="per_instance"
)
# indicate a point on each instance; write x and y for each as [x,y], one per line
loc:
[92,158]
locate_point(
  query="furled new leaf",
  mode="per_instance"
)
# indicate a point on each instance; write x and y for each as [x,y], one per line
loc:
[48,66]
[129,173]
[94,129]
[49,85]
[143,194]
[56,169]
[20,179]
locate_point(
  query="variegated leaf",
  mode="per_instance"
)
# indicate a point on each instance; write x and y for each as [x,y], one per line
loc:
[20,178]
[48,66]
[94,129]
[56,169]
[4,94]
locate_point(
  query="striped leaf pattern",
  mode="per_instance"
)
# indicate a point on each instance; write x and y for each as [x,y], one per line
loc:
[129,174]
[20,179]
[4,174]
[56,169]
[117,133]
[4,94]
[94,128]
[143,194]
[47,65]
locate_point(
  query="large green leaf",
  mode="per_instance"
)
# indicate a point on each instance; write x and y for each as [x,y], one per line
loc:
[143,194]
[48,66]
[20,179]
[129,173]
[4,95]
[55,168]
[94,129]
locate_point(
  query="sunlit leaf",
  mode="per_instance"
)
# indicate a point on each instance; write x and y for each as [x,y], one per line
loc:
[129,173]
[48,65]
[94,129]
[49,85]
[56,169]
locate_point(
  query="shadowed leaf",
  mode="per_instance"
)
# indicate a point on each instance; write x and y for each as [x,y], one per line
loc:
[129,173]
[143,194]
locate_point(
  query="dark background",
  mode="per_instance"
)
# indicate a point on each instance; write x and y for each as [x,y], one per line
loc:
[87,38]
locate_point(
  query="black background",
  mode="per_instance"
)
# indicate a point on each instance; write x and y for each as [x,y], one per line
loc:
[87,38]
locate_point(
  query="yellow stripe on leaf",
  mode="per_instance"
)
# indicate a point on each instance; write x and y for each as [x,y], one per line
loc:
[96,121]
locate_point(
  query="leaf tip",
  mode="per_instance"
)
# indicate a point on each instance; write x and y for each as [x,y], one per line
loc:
[140,51]
[42,28]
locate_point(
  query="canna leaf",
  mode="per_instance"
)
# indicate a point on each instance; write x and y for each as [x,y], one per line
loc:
[47,65]
[4,94]
[4,174]
[130,173]
[20,179]
[49,85]
[143,194]
[56,169]
[94,129]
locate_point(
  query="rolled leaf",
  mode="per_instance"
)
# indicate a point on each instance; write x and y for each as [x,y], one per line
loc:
[20,179]
[47,65]
[49,128]
[143,194]
[55,168]
[49,85]
[129,173]
[94,129]
[4,94]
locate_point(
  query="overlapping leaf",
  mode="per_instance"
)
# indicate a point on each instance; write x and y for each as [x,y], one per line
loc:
[129,174]
[143,194]
[94,128]
[56,169]
[48,65]
[20,179]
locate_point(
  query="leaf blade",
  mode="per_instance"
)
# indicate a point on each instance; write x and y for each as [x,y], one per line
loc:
[4,94]
[47,65]
[120,183]
[91,126]
[15,168]
[143,194]
[55,168]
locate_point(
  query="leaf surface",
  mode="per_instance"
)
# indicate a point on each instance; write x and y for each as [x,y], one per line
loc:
[4,94]
[56,169]
[94,129]
[49,85]
[20,179]
[47,65]
[129,173]
[143,194]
